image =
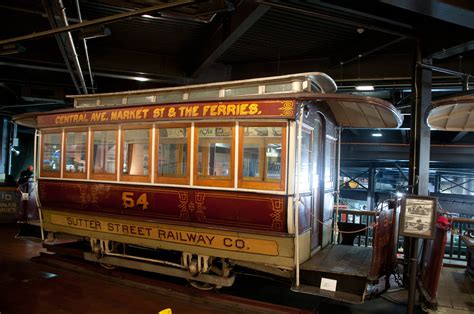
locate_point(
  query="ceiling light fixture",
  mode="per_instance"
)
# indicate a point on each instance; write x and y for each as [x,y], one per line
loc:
[364,88]
[141,79]
[94,32]
[154,16]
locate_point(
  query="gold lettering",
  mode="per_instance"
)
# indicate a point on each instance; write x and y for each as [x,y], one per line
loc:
[95,116]
[171,112]
[231,110]
[195,111]
[205,110]
[221,110]
[103,116]
[114,116]
[214,110]
[158,113]
[243,109]
[253,109]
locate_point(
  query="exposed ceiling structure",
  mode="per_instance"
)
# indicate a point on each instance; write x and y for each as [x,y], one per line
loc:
[133,44]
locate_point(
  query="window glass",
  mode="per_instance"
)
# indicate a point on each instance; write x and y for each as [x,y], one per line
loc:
[238,91]
[330,163]
[76,143]
[306,166]
[172,152]
[51,152]
[104,149]
[136,149]
[214,152]
[262,150]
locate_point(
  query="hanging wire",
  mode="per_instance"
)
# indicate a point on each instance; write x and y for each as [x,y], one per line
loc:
[340,70]
[358,65]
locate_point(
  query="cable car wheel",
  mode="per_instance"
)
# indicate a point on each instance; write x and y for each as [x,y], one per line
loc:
[201,264]
[204,286]
[108,266]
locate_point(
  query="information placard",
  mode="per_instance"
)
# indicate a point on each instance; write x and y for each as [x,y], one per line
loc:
[418,216]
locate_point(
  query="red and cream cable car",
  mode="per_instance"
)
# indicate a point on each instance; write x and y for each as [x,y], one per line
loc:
[222,174]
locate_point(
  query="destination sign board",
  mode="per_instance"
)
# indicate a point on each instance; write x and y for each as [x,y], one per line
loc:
[244,109]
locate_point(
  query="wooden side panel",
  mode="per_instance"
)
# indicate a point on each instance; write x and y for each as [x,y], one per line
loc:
[383,245]
[263,212]
[431,263]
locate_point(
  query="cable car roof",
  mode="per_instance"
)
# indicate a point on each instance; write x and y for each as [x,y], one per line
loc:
[454,113]
[348,110]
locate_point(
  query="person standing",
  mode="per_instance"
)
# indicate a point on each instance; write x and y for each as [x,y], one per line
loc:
[25,175]
[24,188]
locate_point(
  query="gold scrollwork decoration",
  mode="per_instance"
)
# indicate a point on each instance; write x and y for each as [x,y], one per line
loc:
[287,108]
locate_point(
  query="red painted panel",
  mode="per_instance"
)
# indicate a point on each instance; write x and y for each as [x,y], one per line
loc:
[432,261]
[262,212]
[383,255]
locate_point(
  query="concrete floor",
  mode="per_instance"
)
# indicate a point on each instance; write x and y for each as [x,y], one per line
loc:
[31,287]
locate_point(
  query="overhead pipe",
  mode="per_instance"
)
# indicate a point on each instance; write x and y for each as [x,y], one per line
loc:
[99,21]
[86,51]
[443,70]
[75,58]
[152,77]
[61,45]
[365,54]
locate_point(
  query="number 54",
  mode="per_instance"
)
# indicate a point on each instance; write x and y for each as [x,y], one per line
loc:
[128,200]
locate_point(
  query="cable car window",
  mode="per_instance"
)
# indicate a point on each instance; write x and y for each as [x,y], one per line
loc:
[173,157]
[135,153]
[263,154]
[104,154]
[51,155]
[306,164]
[76,152]
[330,163]
[214,155]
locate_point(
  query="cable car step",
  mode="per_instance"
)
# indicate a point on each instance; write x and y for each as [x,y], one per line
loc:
[335,295]
[338,272]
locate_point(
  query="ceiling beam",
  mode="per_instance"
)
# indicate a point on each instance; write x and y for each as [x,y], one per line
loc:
[342,20]
[227,33]
[453,51]
[99,21]
[458,12]
[459,137]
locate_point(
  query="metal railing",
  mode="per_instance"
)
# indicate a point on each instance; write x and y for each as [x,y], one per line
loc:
[363,217]
[455,248]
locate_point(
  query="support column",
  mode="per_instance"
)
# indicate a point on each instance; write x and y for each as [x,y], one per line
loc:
[419,163]
[4,142]
[371,189]
[437,183]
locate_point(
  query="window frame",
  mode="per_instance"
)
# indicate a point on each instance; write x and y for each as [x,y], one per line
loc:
[131,177]
[51,174]
[167,179]
[260,184]
[75,175]
[103,176]
[217,181]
